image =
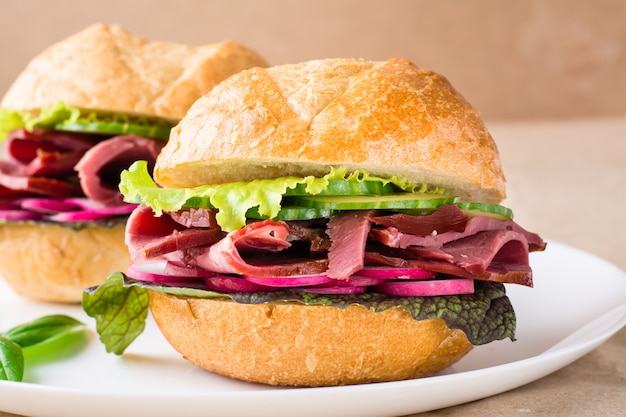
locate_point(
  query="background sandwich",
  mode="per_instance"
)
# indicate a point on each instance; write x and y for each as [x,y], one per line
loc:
[79,113]
[330,222]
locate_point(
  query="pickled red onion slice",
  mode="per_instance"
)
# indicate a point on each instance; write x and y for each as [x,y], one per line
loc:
[225,283]
[395,273]
[291,281]
[427,288]
[154,271]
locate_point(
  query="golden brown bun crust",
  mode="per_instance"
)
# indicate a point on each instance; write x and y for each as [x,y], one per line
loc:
[390,118]
[292,344]
[55,263]
[107,68]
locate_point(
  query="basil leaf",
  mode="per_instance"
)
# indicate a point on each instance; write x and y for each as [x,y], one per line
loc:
[120,312]
[11,361]
[43,330]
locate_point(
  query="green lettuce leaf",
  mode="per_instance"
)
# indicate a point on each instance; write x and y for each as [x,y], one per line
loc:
[233,200]
[484,316]
[64,117]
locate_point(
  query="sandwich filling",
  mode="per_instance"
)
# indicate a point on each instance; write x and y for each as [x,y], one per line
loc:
[342,239]
[62,164]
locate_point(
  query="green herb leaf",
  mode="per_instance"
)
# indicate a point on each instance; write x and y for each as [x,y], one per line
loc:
[43,330]
[11,361]
[120,312]
[47,337]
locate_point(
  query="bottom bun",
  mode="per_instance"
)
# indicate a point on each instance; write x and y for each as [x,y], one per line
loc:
[297,345]
[51,262]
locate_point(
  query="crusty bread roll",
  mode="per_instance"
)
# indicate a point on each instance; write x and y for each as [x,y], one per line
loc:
[103,68]
[51,262]
[296,345]
[389,118]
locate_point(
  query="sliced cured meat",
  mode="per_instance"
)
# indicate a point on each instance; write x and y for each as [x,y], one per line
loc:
[9,193]
[41,163]
[143,229]
[475,253]
[44,152]
[306,230]
[513,274]
[12,186]
[497,255]
[446,218]
[348,235]
[99,169]
[245,251]
[195,217]
[53,164]
[226,255]
[180,241]
[486,249]
[23,146]
[392,237]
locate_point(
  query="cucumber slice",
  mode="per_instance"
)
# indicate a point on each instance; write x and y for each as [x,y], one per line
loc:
[484,209]
[346,187]
[388,201]
[113,128]
[293,213]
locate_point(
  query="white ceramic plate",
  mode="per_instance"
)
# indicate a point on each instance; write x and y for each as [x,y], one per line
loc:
[578,302]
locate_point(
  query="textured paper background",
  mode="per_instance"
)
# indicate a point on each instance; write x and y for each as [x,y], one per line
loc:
[511,59]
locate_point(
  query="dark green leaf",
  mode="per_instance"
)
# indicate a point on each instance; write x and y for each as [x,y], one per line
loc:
[120,312]
[120,307]
[484,316]
[11,361]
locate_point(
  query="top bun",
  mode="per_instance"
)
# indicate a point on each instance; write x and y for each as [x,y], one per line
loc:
[108,69]
[389,118]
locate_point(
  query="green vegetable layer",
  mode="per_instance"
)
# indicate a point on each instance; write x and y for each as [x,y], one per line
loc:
[68,118]
[120,307]
[234,200]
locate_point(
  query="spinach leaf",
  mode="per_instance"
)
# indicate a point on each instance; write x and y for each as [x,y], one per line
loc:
[120,312]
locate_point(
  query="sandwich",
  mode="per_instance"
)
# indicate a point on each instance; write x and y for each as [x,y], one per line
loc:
[80,112]
[332,222]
